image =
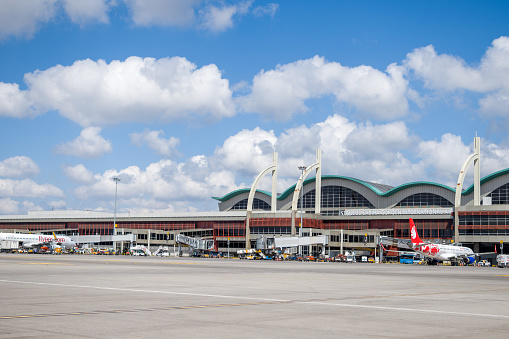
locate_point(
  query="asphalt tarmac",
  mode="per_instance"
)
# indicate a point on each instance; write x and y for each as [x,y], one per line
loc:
[83,296]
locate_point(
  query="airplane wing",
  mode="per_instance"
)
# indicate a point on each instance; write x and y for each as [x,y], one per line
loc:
[36,244]
[400,243]
[404,252]
[407,251]
[479,254]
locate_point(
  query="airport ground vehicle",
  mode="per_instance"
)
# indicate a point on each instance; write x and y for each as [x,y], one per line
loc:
[484,263]
[8,246]
[162,252]
[406,258]
[140,250]
[350,257]
[503,260]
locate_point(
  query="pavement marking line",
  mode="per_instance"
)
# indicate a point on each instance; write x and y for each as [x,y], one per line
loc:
[45,263]
[416,310]
[139,290]
[269,301]
[155,262]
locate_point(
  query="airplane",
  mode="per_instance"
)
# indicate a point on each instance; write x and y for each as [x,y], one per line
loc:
[39,241]
[439,252]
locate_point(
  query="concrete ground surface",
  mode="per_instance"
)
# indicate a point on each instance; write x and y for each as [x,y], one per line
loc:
[80,296]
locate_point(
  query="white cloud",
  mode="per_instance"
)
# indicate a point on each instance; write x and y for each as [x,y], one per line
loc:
[14,103]
[134,90]
[162,12]
[282,92]
[219,19]
[364,151]
[9,206]
[495,104]
[269,9]
[88,145]
[86,12]
[30,206]
[79,173]
[444,72]
[385,153]
[247,151]
[28,189]
[493,157]
[23,18]
[148,205]
[57,204]
[443,159]
[153,139]
[165,184]
[200,160]
[18,167]
[450,73]
[380,141]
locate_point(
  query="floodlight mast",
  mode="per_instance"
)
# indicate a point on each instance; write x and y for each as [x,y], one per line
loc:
[302,169]
[116,179]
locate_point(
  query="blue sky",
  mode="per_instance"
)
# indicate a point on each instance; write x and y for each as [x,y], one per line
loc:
[187,99]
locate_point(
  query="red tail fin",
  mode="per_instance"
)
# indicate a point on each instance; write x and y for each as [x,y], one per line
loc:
[413,233]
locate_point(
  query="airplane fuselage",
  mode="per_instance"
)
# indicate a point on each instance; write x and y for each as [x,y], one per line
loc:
[444,252]
[440,252]
[37,240]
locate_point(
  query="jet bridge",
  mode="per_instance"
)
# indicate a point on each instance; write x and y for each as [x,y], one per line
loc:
[264,243]
[272,243]
[195,244]
[399,243]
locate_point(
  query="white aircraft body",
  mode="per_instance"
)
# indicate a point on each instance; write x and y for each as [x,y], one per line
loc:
[39,241]
[440,252]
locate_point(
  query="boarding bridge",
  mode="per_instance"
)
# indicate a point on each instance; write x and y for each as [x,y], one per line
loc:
[399,243]
[195,243]
[267,243]
[91,239]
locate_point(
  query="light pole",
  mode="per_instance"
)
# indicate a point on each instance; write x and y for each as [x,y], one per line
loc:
[302,169]
[116,179]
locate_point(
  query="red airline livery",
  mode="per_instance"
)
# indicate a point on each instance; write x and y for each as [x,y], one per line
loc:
[440,252]
[40,241]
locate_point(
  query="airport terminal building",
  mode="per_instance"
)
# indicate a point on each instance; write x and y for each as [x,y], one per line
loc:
[352,214]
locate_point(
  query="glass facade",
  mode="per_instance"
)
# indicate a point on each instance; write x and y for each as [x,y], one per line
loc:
[229,229]
[271,230]
[223,244]
[483,220]
[427,228]
[335,197]
[424,200]
[490,223]
[258,205]
[500,196]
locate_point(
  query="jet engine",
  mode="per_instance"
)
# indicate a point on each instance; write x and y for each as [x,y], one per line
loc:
[469,260]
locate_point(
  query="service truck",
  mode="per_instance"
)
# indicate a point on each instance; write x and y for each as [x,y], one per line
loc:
[8,245]
[503,260]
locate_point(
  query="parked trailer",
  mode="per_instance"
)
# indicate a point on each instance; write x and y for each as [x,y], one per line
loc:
[503,260]
[8,245]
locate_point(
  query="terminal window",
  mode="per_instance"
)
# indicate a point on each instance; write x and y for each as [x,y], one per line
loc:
[424,200]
